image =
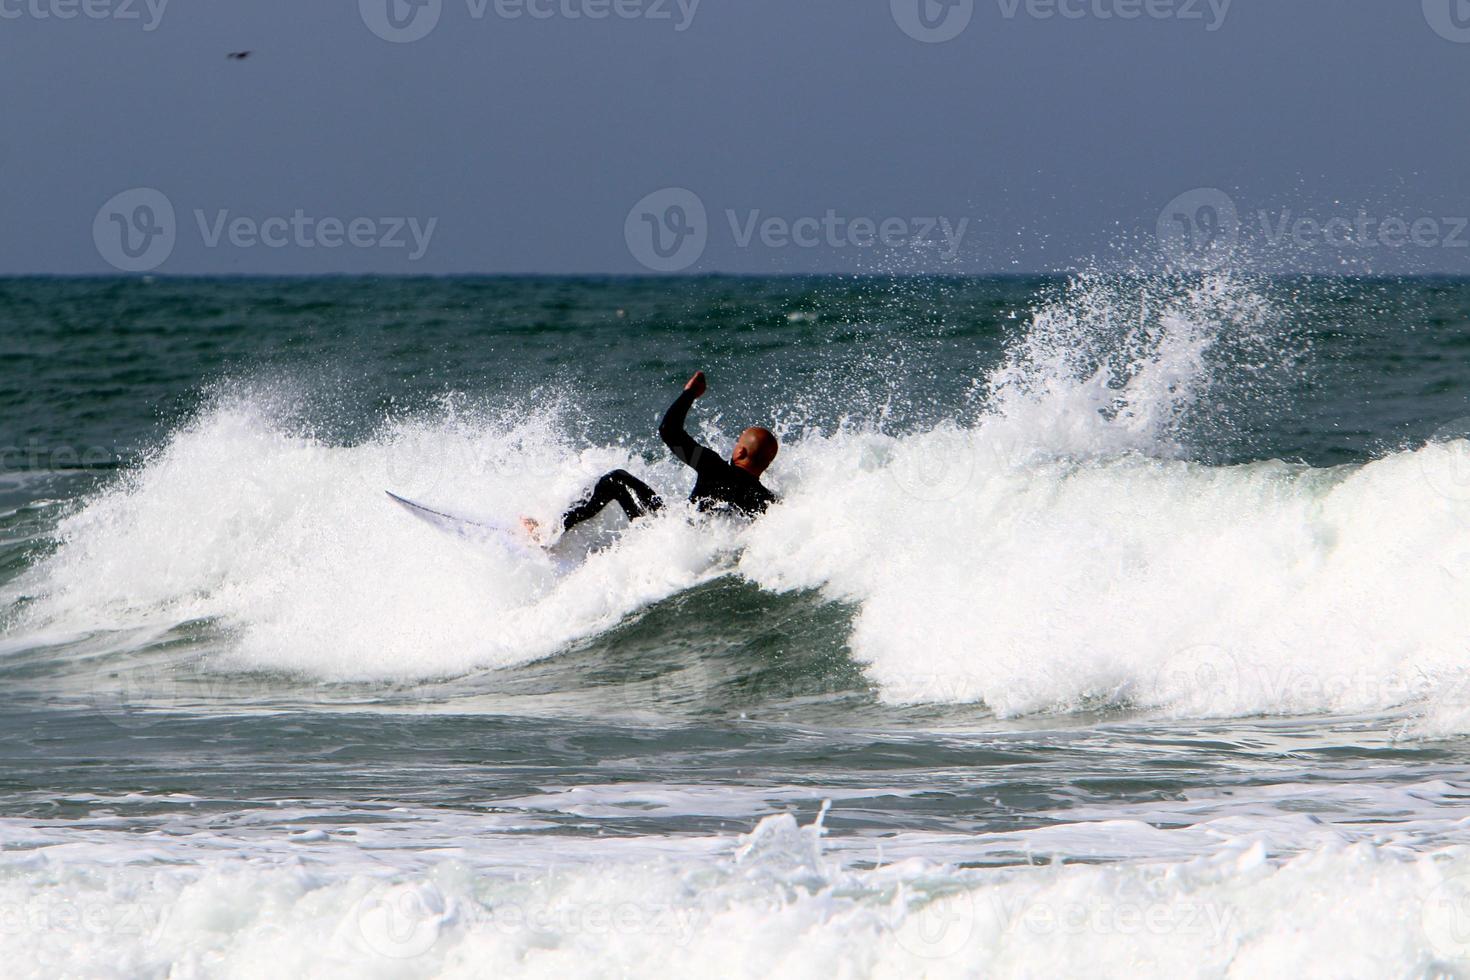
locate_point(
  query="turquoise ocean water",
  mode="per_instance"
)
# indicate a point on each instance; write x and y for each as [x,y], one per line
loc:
[1107,624]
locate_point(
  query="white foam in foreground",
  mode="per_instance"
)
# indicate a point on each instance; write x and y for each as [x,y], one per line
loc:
[772,904]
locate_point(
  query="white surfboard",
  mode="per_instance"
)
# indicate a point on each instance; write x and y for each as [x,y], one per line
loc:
[480,532]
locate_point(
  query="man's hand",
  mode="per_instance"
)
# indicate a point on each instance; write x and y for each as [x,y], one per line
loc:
[696,384]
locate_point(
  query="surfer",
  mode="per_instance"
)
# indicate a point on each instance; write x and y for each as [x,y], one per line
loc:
[721,486]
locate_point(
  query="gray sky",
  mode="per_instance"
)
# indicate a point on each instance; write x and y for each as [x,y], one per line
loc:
[528,141]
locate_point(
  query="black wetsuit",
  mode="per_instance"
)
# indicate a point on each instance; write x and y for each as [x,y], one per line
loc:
[721,487]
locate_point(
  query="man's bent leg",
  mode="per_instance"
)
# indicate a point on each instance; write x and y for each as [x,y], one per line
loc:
[648,501]
[632,494]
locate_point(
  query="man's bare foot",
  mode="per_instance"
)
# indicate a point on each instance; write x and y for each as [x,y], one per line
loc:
[533,528]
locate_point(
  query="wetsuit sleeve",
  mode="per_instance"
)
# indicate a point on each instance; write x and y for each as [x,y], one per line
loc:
[681,443]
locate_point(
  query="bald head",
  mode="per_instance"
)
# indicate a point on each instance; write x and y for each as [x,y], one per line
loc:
[754,450]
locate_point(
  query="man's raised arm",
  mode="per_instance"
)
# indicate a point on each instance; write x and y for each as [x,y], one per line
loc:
[671,429]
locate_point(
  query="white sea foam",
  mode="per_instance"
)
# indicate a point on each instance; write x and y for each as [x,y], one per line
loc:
[292,543]
[1265,588]
[779,901]
[1055,549]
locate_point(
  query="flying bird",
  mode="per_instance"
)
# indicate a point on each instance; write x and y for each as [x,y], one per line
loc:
[238,55]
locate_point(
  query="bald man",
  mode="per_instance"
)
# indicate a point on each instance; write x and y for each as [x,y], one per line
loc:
[721,487]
